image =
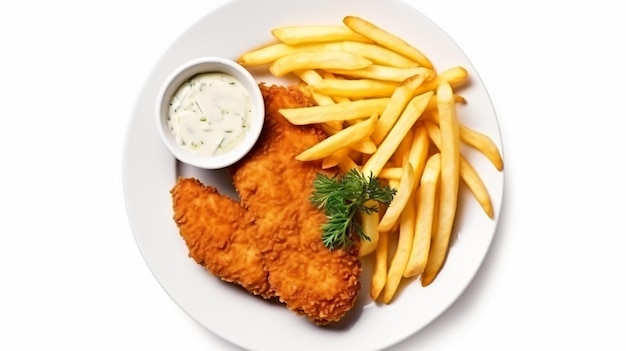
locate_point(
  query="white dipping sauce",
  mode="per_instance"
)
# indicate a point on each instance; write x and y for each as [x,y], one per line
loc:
[210,113]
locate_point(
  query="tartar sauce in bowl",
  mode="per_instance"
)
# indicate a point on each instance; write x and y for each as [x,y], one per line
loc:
[210,112]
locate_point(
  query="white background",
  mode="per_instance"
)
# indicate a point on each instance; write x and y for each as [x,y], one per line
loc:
[72,277]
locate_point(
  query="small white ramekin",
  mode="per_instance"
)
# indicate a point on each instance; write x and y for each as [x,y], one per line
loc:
[182,74]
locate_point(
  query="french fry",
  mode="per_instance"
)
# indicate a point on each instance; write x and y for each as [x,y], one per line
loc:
[346,164]
[379,275]
[386,39]
[390,173]
[364,146]
[411,113]
[468,174]
[384,73]
[449,183]
[304,34]
[330,128]
[335,158]
[337,112]
[419,151]
[398,264]
[454,76]
[310,77]
[432,105]
[317,59]
[340,99]
[339,141]
[397,103]
[369,223]
[355,88]
[478,141]
[377,54]
[425,204]
[477,186]
[484,144]
[328,75]
[265,54]
[417,154]
[401,155]
[405,189]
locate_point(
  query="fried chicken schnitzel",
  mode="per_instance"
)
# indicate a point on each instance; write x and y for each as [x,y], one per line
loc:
[275,187]
[274,235]
[220,235]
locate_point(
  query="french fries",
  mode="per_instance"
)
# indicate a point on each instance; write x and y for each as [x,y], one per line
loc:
[478,141]
[295,35]
[354,88]
[317,59]
[375,53]
[369,223]
[388,113]
[426,204]
[454,76]
[382,73]
[468,174]
[409,116]
[449,182]
[386,39]
[408,181]
[397,103]
[311,77]
[342,111]
[341,140]
[379,276]
[266,54]
[400,258]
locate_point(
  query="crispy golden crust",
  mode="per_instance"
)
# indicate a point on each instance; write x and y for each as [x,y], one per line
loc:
[220,235]
[271,243]
[275,188]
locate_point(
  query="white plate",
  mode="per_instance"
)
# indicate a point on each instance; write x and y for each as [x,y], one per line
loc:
[149,172]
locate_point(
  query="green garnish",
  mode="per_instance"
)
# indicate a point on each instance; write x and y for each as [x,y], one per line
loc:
[341,199]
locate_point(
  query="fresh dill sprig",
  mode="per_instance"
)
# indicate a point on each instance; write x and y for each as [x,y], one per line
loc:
[342,198]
